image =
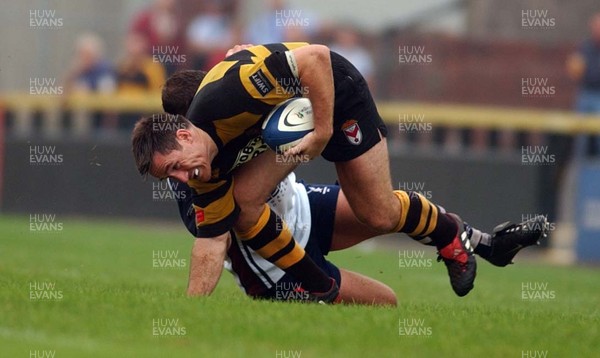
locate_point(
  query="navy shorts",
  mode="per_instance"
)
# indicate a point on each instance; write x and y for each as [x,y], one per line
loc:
[323,202]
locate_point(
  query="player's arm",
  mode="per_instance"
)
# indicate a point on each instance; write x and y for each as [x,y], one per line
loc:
[210,247]
[312,65]
[206,264]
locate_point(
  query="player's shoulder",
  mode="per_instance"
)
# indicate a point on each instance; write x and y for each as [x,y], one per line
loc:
[250,55]
[260,52]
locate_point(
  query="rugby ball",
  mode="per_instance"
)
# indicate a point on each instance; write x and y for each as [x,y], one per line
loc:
[287,124]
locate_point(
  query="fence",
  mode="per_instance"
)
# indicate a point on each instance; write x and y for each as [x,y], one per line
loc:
[98,179]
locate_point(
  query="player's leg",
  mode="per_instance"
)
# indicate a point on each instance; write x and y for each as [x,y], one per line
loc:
[265,232]
[348,230]
[367,185]
[254,183]
[359,149]
[366,182]
[507,239]
[331,219]
[359,289]
[498,248]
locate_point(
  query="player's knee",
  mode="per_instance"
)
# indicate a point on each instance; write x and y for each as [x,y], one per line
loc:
[250,210]
[389,298]
[247,219]
[248,200]
[380,222]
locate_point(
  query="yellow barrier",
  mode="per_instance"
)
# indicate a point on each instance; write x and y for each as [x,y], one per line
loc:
[144,103]
[445,115]
[500,118]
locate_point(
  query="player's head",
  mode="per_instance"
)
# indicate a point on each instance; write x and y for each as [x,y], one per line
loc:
[179,90]
[166,145]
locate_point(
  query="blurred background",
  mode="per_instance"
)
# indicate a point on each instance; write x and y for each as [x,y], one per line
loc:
[491,105]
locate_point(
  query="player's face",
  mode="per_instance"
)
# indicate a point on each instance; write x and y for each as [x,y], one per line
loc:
[189,162]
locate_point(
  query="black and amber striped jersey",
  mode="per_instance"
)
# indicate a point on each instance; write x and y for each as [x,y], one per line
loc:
[230,105]
[234,97]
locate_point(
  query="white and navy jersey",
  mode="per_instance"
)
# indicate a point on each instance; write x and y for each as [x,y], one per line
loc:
[304,207]
[253,273]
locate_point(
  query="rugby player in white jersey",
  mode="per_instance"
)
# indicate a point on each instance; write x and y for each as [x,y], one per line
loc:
[321,219]
[310,212]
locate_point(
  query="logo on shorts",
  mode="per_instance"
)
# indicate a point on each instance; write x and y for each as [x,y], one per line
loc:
[318,189]
[352,132]
[199,214]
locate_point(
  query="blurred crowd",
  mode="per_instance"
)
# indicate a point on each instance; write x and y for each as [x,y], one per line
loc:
[162,39]
[171,35]
[583,66]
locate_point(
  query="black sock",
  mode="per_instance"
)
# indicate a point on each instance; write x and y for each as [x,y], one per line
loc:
[272,239]
[445,232]
[306,267]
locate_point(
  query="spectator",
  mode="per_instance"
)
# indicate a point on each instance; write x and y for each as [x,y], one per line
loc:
[264,27]
[137,72]
[347,43]
[209,35]
[90,71]
[279,23]
[584,67]
[160,25]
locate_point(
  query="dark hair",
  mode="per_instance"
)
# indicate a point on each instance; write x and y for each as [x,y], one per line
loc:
[156,133]
[179,90]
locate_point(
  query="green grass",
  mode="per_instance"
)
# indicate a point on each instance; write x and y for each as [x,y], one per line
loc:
[111,294]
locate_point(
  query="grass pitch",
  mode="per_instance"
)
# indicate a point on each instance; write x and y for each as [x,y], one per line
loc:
[91,289]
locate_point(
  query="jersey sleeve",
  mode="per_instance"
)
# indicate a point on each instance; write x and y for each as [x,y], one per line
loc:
[207,209]
[183,195]
[272,79]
